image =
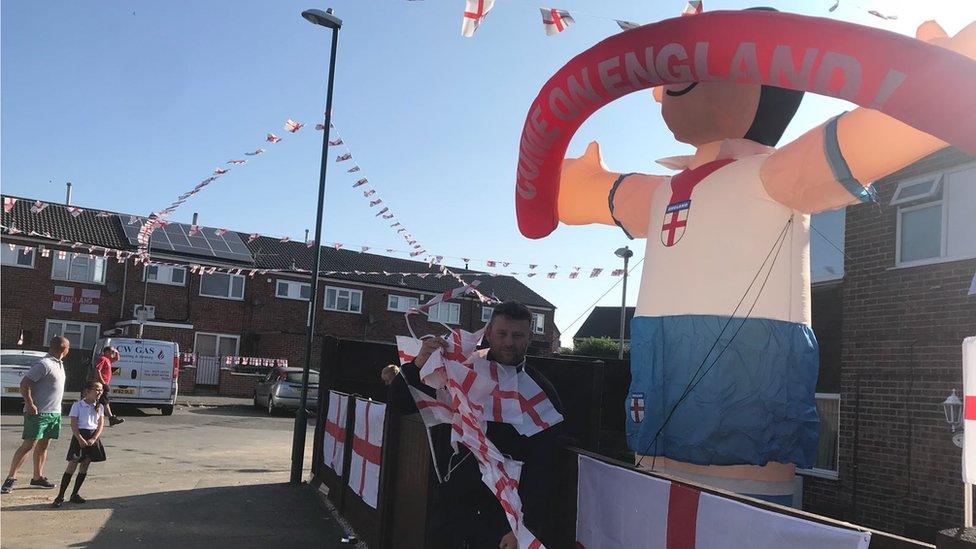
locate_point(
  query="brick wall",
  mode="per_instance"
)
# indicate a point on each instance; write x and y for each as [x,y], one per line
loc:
[188,380]
[235,384]
[901,354]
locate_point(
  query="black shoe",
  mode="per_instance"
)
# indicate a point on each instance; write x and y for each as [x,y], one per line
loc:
[114,420]
[8,485]
[77,499]
[57,503]
[43,482]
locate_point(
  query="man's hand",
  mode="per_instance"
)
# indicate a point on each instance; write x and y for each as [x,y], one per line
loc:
[509,541]
[427,348]
[30,409]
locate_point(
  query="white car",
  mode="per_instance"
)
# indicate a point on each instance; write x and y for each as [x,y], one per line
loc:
[14,364]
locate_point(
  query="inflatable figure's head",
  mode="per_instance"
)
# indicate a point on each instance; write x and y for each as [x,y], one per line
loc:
[703,112]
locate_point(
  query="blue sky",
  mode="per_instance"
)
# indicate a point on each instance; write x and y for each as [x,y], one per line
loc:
[134,102]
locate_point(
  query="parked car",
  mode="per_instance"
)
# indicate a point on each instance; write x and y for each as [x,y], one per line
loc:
[14,363]
[147,373]
[281,389]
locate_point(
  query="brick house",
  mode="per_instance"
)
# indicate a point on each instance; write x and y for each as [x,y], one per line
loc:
[53,284]
[890,333]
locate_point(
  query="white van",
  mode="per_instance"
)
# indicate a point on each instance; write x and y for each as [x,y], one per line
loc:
[146,374]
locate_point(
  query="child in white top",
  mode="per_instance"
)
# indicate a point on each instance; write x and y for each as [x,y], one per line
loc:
[87,422]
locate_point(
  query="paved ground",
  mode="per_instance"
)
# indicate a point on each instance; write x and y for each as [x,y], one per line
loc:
[207,476]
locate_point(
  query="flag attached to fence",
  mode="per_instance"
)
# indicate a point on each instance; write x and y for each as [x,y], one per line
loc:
[334,439]
[367,449]
[969,410]
[622,508]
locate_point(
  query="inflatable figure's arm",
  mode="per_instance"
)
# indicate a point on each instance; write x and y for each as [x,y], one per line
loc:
[590,193]
[832,165]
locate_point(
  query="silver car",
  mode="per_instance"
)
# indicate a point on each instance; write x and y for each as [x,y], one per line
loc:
[281,389]
[14,363]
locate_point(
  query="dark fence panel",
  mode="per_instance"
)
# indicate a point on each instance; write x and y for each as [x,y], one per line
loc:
[354,366]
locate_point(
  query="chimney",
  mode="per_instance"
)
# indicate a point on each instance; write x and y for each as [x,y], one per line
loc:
[306,236]
[67,197]
[195,214]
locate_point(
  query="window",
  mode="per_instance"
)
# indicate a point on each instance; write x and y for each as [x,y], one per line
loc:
[828,408]
[447,313]
[538,323]
[222,285]
[401,303]
[18,256]
[936,218]
[81,335]
[290,289]
[206,344]
[343,299]
[78,267]
[486,314]
[165,274]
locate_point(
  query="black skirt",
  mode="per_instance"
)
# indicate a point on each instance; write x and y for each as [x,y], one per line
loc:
[95,452]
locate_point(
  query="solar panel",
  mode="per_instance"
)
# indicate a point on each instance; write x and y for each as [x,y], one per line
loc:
[175,237]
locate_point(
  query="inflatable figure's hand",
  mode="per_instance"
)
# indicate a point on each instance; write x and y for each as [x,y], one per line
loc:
[964,42]
[584,184]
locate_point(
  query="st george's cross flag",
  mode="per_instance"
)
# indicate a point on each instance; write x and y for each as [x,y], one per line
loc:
[475,12]
[620,508]
[334,437]
[694,7]
[555,20]
[969,410]
[367,449]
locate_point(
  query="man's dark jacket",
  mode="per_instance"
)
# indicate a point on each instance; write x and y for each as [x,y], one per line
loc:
[465,513]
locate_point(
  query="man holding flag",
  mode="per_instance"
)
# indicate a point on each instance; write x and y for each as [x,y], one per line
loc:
[466,512]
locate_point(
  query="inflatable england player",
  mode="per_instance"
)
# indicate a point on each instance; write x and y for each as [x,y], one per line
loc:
[723,360]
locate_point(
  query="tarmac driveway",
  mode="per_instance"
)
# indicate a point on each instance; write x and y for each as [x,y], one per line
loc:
[207,476]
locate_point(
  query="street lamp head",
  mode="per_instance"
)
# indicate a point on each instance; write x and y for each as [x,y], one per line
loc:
[324,18]
[624,253]
[952,406]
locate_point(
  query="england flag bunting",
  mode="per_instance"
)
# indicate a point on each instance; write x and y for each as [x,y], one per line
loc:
[620,508]
[475,12]
[694,7]
[626,25]
[8,204]
[343,157]
[472,390]
[272,138]
[38,207]
[969,410]
[334,438]
[555,21]
[367,449]
[293,126]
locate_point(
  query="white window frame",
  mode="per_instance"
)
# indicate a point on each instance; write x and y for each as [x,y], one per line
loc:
[486,313]
[339,290]
[538,323]
[235,337]
[90,346]
[21,250]
[827,473]
[924,201]
[435,313]
[937,181]
[292,284]
[400,307]
[230,287]
[902,210]
[73,256]
[161,269]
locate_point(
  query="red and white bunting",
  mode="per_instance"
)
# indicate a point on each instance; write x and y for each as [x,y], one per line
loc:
[353,169]
[8,204]
[626,25]
[309,243]
[38,207]
[284,239]
[337,245]
[293,126]
[376,202]
[369,193]
[694,7]
[335,142]
[133,219]
[360,182]
[103,214]
[74,210]
[255,152]
[551,275]
[383,211]
[343,157]
[220,171]
[253,237]
[617,272]
[272,138]
[490,263]
[237,162]
[555,20]
[475,12]
[363,249]
[220,232]
[194,230]
[595,272]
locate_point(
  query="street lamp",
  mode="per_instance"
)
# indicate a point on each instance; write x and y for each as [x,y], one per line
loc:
[325,19]
[952,406]
[626,254]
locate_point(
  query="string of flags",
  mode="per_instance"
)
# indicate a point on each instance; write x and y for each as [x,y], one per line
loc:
[555,20]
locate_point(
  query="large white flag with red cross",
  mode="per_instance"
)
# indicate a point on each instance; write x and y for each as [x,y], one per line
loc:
[969,410]
[367,449]
[555,20]
[475,12]
[334,439]
[620,508]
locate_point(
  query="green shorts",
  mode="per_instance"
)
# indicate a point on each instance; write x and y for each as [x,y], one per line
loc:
[43,425]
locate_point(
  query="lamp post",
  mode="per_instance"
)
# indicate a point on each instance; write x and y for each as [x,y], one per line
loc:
[325,19]
[626,254]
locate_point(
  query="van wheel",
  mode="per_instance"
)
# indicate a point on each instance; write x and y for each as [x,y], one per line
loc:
[166,410]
